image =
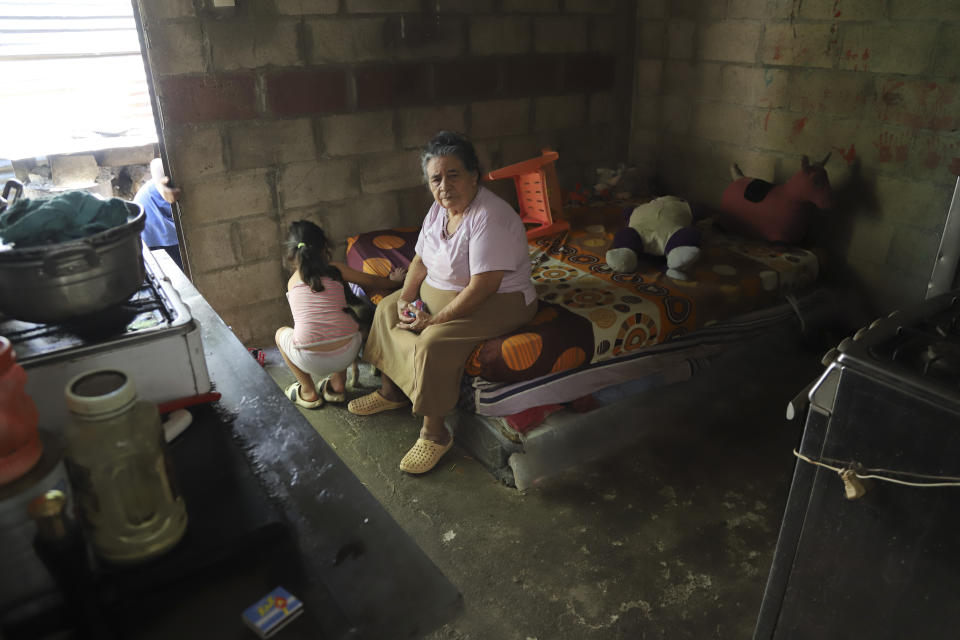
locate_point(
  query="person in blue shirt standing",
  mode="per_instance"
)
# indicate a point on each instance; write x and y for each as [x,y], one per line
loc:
[156,198]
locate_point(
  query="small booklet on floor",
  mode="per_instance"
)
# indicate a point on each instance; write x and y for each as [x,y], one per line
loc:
[272,612]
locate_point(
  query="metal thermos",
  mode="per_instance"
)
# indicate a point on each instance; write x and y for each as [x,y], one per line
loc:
[119,469]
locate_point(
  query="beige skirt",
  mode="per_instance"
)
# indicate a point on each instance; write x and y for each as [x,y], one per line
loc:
[428,366]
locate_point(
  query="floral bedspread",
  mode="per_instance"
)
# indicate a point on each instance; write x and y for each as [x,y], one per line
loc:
[588,313]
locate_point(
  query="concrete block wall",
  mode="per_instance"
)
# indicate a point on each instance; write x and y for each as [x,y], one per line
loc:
[762,82]
[285,109]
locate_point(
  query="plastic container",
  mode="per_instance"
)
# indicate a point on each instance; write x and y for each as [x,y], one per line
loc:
[119,468]
[20,446]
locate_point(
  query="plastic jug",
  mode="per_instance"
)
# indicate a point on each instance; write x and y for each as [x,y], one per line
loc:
[119,469]
[20,446]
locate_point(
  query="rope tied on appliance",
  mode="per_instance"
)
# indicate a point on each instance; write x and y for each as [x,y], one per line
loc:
[854,474]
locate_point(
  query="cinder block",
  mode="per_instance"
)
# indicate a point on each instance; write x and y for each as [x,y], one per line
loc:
[308,183]
[934,154]
[652,9]
[346,40]
[211,247]
[195,152]
[749,9]
[518,148]
[176,47]
[73,171]
[195,99]
[676,113]
[702,80]
[306,91]
[732,41]
[646,112]
[605,34]
[242,285]
[566,34]
[904,47]
[726,123]
[366,213]
[644,145]
[915,103]
[697,10]
[870,240]
[525,75]
[253,44]
[680,35]
[814,135]
[351,134]
[464,80]
[258,238]
[912,203]
[498,35]
[755,164]
[757,86]
[500,118]
[383,6]
[420,124]
[465,6]
[389,172]
[826,91]
[603,108]
[652,38]
[306,7]
[166,10]
[590,73]
[800,45]
[947,53]
[883,149]
[228,196]
[590,6]
[530,6]
[559,112]
[128,155]
[270,143]
[649,74]
[414,204]
[834,11]
[782,10]
[422,36]
[942,10]
[262,321]
[385,86]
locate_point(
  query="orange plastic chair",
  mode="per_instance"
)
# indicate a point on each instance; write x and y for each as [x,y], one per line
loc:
[538,192]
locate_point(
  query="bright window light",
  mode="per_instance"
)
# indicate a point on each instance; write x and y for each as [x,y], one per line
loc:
[73,78]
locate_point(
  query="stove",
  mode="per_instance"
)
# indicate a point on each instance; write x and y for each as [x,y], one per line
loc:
[882,564]
[152,336]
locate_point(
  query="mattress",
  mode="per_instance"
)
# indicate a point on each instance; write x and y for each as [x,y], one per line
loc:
[589,315]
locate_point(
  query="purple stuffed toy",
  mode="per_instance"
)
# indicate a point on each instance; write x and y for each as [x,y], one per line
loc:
[661,227]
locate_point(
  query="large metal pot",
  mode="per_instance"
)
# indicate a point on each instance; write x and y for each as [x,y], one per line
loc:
[56,282]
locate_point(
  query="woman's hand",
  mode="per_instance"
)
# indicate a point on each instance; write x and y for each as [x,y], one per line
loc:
[419,321]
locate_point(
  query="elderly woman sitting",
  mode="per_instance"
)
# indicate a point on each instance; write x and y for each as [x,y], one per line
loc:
[469,281]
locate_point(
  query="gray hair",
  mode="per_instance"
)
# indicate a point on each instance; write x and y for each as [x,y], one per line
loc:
[449,143]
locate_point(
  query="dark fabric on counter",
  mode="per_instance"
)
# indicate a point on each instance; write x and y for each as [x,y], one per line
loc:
[70,216]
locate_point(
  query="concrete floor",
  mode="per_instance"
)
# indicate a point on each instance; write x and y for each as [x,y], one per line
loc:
[670,538]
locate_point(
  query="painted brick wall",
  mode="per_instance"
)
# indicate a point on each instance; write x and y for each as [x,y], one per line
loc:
[761,82]
[286,109]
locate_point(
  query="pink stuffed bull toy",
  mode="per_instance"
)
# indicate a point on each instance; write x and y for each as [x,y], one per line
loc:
[776,213]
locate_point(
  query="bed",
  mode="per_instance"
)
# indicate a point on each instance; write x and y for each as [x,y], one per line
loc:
[600,339]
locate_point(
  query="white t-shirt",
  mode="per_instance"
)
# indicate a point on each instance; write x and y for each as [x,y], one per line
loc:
[490,238]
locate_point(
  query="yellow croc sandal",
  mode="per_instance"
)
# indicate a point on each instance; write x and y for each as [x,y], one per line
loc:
[373,403]
[424,456]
